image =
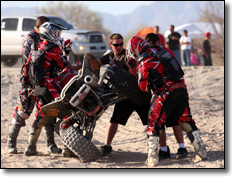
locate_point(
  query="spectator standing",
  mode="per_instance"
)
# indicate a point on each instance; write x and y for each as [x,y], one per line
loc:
[173,42]
[161,37]
[185,42]
[207,50]
[123,109]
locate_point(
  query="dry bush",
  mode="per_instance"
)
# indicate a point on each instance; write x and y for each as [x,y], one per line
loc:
[75,13]
[213,13]
[217,58]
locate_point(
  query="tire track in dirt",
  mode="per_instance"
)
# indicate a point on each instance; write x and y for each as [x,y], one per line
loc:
[194,81]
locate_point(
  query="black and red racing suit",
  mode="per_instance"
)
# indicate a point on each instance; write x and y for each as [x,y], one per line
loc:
[171,107]
[26,100]
[53,58]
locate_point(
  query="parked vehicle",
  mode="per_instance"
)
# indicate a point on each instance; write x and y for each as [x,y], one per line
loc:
[83,101]
[14,29]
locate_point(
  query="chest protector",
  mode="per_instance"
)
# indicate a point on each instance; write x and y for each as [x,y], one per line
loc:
[36,65]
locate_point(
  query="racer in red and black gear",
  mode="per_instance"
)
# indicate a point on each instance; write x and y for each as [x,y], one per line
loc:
[53,63]
[26,99]
[170,107]
[158,116]
[50,88]
[164,152]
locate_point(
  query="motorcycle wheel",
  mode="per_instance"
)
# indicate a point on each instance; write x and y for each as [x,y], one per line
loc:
[127,84]
[79,145]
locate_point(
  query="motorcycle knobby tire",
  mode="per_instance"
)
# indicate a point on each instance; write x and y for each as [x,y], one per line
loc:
[79,145]
[128,85]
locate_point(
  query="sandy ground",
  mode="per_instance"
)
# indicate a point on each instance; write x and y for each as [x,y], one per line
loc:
[206,91]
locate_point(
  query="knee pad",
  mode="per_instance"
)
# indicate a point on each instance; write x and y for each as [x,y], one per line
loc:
[23,115]
[186,127]
[20,120]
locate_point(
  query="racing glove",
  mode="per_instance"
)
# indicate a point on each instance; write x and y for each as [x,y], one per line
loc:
[67,47]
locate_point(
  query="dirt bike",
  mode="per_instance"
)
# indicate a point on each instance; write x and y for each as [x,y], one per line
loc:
[83,101]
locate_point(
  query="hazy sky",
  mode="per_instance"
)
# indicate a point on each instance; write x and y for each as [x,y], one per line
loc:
[112,7]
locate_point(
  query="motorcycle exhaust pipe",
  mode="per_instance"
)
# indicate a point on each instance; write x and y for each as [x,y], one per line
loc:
[90,81]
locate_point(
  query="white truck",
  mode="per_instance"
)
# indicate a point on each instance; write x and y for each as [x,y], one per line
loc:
[14,29]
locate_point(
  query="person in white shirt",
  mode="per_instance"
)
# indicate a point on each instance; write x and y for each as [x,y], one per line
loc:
[185,42]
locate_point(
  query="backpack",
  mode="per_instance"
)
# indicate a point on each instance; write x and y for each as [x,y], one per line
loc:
[29,42]
[36,65]
[171,66]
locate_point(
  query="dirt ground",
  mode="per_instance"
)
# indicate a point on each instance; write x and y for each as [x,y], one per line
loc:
[206,91]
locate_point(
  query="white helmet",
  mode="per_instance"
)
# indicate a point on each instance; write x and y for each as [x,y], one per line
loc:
[51,31]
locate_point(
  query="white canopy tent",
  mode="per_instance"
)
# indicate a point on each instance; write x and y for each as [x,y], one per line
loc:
[195,30]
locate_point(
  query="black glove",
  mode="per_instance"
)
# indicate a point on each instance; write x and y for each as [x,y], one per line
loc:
[67,49]
[67,46]
[155,80]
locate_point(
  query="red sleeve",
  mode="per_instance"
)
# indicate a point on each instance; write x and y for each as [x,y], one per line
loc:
[143,78]
[58,57]
[143,72]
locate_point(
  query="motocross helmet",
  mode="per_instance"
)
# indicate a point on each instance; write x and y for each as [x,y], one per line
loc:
[51,31]
[135,47]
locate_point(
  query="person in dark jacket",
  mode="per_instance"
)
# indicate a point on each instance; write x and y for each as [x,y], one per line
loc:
[173,43]
[207,50]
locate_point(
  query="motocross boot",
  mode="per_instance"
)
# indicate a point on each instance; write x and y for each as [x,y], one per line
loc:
[153,153]
[32,140]
[14,129]
[197,143]
[12,139]
[195,138]
[49,135]
[34,135]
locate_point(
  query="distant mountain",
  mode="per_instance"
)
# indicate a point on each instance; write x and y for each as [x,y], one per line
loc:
[161,13]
